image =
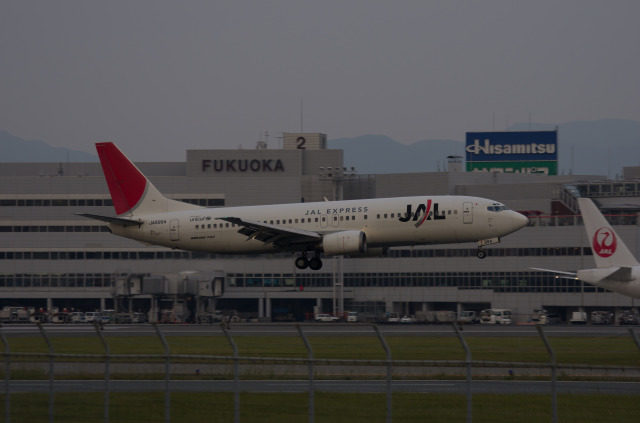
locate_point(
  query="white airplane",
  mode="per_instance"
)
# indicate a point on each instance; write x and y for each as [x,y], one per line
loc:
[352,227]
[617,269]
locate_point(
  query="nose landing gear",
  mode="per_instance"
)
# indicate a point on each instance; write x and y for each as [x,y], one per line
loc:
[481,252]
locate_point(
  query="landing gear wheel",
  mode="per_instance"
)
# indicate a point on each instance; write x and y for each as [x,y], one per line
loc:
[302,262]
[481,253]
[315,263]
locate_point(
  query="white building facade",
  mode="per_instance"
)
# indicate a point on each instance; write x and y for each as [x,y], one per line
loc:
[49,257]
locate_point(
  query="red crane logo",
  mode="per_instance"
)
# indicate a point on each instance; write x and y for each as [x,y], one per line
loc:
[604,242]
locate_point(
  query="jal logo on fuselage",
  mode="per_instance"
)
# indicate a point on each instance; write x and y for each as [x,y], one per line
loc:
[422,213]
[604,242]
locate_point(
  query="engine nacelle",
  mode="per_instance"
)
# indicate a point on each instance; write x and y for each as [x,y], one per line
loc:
[371,252]
[345,242]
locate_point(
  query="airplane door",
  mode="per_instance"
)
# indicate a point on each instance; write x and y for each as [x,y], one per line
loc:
[335,220]
[174,229]
[324,221]
[467,213]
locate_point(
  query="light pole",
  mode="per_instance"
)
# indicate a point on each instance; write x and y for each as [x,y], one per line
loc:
[337,176]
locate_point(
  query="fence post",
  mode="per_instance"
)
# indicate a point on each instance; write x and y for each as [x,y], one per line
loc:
[635,338]
[107,369]
[311,373]
[468,361]
[554,376]
[7,377]
[236,371]
[167,374]
[389,372]
[51,368]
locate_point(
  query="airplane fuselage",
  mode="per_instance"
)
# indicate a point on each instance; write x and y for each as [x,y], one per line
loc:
[385,222]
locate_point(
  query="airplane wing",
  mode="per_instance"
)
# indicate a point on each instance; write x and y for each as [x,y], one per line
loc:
[281,236]
[620,274]
[566,275]
[117,220]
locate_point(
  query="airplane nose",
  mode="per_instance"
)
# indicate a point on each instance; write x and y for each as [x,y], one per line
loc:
[518,221]
[512,221]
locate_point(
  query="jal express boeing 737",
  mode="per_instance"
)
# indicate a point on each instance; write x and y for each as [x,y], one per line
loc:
[356,228]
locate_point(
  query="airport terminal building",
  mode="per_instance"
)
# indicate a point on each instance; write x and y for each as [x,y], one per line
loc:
[52,258]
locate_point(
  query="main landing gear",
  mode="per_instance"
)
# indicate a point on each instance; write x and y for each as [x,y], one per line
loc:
[314,263]
[481,253]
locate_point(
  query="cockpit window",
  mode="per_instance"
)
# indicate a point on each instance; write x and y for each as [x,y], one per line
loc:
[496,207]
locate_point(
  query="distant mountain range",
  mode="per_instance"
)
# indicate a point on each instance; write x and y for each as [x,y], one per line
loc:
[15,149]
[601,147]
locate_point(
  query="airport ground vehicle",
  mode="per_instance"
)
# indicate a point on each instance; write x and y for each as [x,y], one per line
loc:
[121,318]
[407,319]
[543,317]
[627,317]
[14,314]
[599,317]
[61,317]
[77,317]
[92,316]
[493,316]
[108,316]
[323,317]
[468,316]
[352,316]
[578,318]
[38,316]
[393,317]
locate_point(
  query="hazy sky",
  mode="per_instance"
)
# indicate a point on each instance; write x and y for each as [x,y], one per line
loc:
[160,77]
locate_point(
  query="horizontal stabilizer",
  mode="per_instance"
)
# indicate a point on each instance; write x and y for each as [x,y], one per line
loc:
[116,220]
[618,274]
[623,275]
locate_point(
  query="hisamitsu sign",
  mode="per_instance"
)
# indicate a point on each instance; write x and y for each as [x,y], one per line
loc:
[512,152]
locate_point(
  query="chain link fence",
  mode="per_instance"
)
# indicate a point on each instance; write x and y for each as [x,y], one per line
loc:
[316,389]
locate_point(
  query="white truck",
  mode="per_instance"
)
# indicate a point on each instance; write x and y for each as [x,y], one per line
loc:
[578,318]
[92,316]
[496,316]
[324,317]
[468,317]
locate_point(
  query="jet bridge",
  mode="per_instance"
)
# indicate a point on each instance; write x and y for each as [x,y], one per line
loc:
[185,296]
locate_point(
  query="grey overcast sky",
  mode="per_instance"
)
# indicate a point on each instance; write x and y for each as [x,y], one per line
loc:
[159,77]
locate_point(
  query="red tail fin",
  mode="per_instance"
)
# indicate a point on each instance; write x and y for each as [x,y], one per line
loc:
[126,183]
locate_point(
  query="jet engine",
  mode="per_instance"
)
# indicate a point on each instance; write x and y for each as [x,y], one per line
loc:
[345,242]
